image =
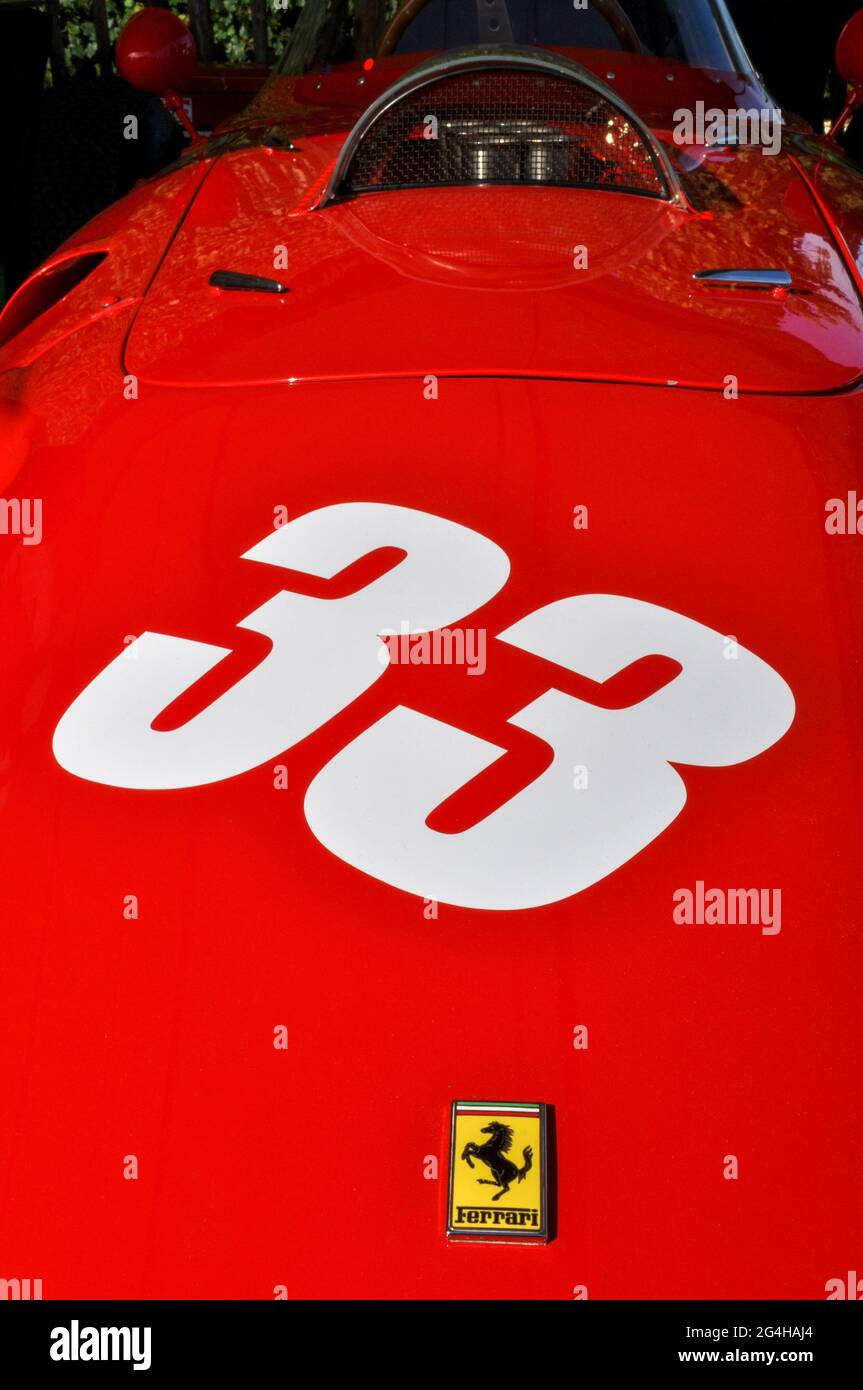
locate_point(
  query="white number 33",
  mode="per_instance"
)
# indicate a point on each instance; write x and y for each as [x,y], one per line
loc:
[370,804]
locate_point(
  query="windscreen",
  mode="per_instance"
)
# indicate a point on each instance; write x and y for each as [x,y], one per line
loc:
[328,32]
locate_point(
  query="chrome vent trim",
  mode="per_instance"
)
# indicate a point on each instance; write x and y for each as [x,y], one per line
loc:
[747,279]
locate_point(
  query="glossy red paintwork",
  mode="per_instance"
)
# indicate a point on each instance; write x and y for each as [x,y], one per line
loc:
[835,184]
[305,1168]
[156,51]
[480,281]
[150,216]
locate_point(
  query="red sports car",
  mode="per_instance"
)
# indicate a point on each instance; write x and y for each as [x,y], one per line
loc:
[431,544]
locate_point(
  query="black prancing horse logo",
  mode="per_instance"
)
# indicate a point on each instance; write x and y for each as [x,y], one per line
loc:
[493,1154]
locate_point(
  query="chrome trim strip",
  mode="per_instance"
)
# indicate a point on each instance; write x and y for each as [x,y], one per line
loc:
[750,279]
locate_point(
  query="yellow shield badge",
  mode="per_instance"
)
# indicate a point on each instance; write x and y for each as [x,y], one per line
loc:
[497,1172]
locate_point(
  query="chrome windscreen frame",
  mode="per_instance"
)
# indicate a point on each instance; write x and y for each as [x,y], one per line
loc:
[490,59]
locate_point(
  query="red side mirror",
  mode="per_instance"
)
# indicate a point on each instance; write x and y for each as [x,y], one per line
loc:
[156,51]
[849,51]
[849,61]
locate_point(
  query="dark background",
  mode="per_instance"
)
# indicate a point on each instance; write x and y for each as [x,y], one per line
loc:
[792,45]
[62,155]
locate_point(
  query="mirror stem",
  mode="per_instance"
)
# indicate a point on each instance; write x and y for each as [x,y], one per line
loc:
[174,103]
[853,103]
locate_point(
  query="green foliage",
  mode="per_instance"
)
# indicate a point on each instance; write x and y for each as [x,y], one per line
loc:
[232,28]
[231,19]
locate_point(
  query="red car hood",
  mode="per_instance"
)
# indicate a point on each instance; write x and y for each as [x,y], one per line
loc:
[563,283]
[160,939]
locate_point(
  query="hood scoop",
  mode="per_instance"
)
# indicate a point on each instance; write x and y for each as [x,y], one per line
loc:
[501,116]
